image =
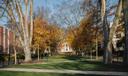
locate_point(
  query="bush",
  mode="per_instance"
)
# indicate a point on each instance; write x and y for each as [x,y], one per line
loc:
[1,58]
[20,56]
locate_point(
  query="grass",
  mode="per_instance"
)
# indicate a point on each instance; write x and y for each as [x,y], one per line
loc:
[65,62]
[4,73]
[74,63]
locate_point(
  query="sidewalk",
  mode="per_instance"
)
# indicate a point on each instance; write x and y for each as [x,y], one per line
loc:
[66,71]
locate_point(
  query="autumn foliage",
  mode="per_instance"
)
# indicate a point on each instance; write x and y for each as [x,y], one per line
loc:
[83,37]
[46,35]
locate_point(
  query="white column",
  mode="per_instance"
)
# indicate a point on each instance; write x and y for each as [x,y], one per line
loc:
[8,40]
[4,39]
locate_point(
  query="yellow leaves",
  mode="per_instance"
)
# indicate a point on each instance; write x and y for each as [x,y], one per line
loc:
[45,35]
[84,35]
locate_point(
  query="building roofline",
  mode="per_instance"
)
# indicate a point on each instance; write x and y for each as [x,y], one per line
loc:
[5,27]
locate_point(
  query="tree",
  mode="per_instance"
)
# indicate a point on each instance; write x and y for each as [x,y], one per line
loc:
[70,34]
[46,36]
[113,30]
[109,32]
[125,17]
[40,34]
[19,18]
[82,35]
[105,28]
[56,35]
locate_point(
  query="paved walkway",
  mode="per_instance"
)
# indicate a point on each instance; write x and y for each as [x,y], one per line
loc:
[66,71]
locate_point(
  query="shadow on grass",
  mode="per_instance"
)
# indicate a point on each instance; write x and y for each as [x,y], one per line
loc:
[3,73]
[82,64]
[96,66]
[79,63]
[73,57]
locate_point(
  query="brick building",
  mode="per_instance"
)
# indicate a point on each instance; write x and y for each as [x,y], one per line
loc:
[6,40]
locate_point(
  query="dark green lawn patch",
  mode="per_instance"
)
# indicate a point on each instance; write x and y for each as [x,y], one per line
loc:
[75,63]
[4,73]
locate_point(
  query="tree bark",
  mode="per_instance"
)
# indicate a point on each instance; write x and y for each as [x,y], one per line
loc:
[106,40]
[38,53]
[96,48]
[113,30]
[105,31]
[27,53]
[108,34]
[31,21]
[15,9]
[15,54]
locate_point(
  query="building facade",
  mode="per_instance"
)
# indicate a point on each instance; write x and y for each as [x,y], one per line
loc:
[6,40]
[64,47]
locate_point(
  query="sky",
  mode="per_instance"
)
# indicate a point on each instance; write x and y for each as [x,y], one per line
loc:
[50,5]
[52,9]
[39,3]
[47,4]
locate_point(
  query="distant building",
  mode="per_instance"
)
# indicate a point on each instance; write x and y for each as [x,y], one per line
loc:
[6,40]
[64,47]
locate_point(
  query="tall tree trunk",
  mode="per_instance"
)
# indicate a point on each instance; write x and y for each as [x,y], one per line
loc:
[14,48]
[105,30]
[106,39]
[31,21]
[112,31]
[109,34]
[15,9]
[96,48]
[125,12]
[38,50]
[108,53]
[27,53]
[15,54]
[26,35]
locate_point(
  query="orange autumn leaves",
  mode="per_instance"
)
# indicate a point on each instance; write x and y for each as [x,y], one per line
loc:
[79,37]
[84,35]
[45,35]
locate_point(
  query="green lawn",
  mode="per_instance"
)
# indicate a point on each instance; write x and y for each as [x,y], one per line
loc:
[3,73]
[74,63]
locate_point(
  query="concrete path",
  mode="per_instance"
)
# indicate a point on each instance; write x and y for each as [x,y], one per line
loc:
[66,71]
